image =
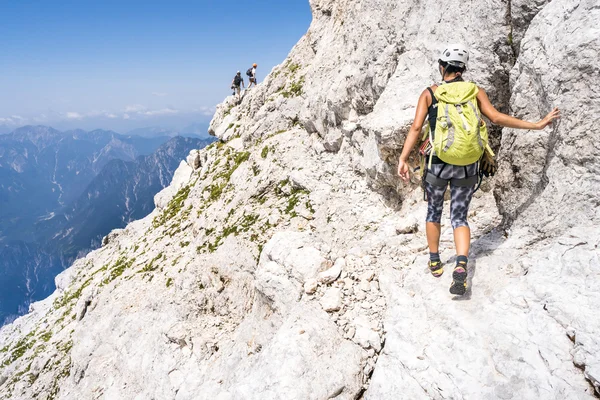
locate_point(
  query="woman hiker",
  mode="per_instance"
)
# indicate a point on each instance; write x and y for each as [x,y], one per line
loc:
[452,64]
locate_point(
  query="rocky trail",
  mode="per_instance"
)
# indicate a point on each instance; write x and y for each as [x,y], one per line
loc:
[504,339]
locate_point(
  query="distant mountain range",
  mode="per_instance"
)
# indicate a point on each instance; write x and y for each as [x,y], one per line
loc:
[42,170]
[122,192]
[194,130]
[61,192]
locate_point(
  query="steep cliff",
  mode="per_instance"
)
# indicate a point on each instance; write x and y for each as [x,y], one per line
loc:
[288,261]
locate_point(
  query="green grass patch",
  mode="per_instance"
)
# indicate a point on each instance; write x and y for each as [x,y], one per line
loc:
[242,225]
[69,296]
[20,348]
[221,180]
[150,266]
[294,67]
[247,221]
[228,110]
[175,261]
[173,207]
[295,89]
[46,336]
[265,152]
[117,269]
[64,371]
[294,195]
[215,191]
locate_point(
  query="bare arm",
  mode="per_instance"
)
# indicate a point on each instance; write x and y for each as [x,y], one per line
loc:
[498,118]
[413,135]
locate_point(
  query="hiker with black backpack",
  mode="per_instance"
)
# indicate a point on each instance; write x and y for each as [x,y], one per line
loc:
[251,72]
[235,84]
[454,148]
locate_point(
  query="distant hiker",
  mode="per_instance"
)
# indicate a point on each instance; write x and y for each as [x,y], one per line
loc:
[455,146]
[252,75]
[235,84]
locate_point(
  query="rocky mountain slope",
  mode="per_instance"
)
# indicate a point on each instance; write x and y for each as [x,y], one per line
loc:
[288,261]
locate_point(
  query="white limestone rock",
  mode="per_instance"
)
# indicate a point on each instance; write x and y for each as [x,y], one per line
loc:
[311,286]
[330,275]
[333,141]
[410,224]
[272,280]
[367,276]
[306,358]
[291,250]
[332,300]
[111,236]
[236,144]
[194,160]
[180,179]
[365,336]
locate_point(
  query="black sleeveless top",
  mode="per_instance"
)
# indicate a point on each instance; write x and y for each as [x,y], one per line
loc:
[432,111]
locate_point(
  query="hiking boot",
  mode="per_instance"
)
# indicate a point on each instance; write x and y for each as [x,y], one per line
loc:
[459,279]
[436,268]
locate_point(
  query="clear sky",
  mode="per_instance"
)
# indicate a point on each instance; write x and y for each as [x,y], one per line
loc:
[127,64]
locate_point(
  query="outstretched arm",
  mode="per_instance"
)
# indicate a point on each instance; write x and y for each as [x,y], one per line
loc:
[498,118]
[413,135]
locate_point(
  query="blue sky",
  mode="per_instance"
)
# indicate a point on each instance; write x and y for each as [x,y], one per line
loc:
[126,64]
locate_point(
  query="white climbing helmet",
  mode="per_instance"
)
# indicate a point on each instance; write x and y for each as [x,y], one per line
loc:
[456,55]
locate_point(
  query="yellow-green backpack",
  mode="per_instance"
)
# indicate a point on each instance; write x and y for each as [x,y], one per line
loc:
[460,136]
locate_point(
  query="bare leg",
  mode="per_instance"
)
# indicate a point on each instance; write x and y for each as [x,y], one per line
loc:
[462,240]
[433,231]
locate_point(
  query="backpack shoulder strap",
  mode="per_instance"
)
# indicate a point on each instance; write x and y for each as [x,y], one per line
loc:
[433,99]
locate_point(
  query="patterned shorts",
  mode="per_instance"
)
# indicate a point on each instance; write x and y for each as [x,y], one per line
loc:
[460,196]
